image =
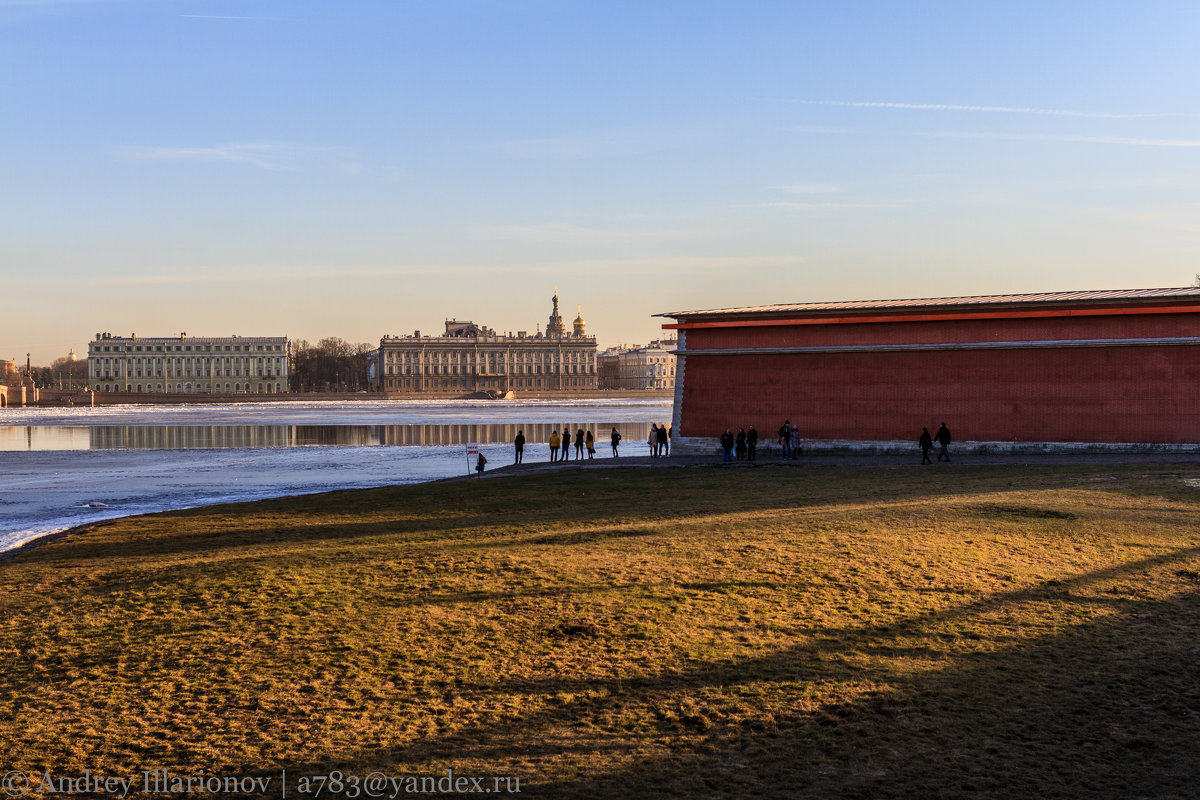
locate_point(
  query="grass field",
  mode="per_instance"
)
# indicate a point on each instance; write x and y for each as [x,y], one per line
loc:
[772,632]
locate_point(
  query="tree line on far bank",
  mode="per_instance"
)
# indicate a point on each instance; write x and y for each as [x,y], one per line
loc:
[63,373]
[330,365]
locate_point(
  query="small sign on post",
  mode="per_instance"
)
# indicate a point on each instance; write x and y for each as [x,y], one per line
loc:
[472,452]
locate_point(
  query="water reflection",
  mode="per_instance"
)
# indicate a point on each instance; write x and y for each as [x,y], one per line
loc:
[206,437]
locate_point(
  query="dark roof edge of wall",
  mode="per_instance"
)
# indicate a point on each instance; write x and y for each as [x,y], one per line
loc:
[998,301]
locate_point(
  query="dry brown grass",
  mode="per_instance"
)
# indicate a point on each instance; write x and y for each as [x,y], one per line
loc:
[989,632]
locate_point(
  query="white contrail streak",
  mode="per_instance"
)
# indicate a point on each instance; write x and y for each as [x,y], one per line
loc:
[1056,112]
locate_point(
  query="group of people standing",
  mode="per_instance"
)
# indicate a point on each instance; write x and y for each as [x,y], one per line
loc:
[560,445]
[744,444]
[659,441]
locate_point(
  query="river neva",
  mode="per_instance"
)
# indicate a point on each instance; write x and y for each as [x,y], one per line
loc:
[65,467]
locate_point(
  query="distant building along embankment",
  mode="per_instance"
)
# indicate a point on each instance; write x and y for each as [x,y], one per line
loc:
[472,359]
[626,367]
[188,365]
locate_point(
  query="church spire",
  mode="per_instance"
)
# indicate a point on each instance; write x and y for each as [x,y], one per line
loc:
[555,328]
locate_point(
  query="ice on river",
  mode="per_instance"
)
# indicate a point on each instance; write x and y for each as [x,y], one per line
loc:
[390,412]
[43,491]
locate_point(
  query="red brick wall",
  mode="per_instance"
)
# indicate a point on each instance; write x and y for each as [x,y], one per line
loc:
[1115,394]
[1135,326]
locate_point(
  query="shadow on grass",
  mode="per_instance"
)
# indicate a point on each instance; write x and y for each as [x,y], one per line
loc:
[1105,709]
[524,502]
[79,547]
[573,589]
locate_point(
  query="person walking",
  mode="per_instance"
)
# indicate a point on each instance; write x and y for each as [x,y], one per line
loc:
[794,439]
[670,438]
[727,445]
[739,444]
[785,439]
[554,443]
[926,444]
[519,444]
[751,442]
[479,465]
[590,441]
[616,440]
[652,440]
[942,437]
[664,446]
[579,445]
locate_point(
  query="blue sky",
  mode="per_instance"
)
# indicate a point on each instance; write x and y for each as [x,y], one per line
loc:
[356,169]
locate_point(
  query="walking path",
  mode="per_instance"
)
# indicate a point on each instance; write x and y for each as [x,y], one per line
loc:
[827,460]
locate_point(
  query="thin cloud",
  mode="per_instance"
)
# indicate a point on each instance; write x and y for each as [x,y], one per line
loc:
[274,156]
[206,276]
[265,156]
[36,3]
[683,265]
[224,17]
[1039,137]
[812,206]
[827,129]
[1055,112]
[808,188]
[567,233]
[641,267]
[1169,183]
[1134,141]
[586,148]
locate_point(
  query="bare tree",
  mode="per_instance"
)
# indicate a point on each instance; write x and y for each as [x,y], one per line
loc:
[331,365]
[63,373]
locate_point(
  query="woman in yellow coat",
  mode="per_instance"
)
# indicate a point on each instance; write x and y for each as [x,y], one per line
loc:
[555,441]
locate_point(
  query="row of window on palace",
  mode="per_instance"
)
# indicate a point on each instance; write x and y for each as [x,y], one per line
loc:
[515,383]
[519,358]
[200,388]
[187,348]
[185,367]
[469,369]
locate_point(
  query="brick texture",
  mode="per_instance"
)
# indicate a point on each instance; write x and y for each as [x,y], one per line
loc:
[1080,394]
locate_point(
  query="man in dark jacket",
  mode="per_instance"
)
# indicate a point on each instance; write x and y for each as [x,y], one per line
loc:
[664,444]
[942,437]
[785,439]
[751,442]
[926,444]
[519,444]
[727,444]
